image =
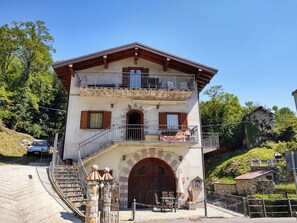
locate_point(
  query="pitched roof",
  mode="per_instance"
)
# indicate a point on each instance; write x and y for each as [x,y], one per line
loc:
[203,73]
[253,175]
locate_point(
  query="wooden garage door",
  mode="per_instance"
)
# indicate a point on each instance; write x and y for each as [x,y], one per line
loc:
[147,177]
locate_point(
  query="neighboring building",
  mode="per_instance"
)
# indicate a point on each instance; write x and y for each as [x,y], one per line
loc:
[135,109]
[260,181]
[258,124]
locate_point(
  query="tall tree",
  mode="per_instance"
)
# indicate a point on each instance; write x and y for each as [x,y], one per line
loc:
[222,114]
[26,78]
[286,124]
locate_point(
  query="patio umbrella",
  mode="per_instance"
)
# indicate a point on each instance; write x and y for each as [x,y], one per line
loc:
[180,187]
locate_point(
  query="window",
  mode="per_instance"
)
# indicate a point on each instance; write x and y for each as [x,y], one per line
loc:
[141,170]
[161,170]
[95,119]
[172,121]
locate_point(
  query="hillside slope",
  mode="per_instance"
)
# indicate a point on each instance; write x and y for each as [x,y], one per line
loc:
[11,142]
[232,164]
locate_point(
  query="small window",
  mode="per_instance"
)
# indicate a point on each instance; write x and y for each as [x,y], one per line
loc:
[141,170]
[197,183]
[172,121]
[161,170]
[95,120]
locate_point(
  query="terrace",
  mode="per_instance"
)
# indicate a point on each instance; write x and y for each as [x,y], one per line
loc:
[147,86]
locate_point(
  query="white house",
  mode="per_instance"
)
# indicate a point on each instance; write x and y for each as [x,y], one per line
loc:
[135,109]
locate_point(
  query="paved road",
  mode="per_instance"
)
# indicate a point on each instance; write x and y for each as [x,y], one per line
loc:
[229,220]
[27,196]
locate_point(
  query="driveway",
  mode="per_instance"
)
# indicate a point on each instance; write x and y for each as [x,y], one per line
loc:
[27,196]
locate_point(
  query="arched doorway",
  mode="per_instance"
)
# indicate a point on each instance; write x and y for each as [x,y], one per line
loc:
[134,125]
[147,177]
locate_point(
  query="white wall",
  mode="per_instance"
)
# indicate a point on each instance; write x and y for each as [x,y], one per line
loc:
[75,135]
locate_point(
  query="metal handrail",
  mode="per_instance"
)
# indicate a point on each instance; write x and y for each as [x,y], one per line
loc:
[210,140]
[117,132]
[147,80]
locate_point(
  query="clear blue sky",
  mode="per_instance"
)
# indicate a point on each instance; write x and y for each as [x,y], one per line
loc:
[253,43]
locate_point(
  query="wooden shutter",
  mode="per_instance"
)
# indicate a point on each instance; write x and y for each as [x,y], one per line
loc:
[84,119]
[162,120]
[126,77]
[183,120]
[144,77]
[106,120]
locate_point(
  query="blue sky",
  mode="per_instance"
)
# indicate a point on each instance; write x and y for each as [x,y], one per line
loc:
[253,43]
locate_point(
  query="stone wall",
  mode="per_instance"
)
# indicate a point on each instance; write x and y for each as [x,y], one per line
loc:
[244,187]
[224,188]
[265,186]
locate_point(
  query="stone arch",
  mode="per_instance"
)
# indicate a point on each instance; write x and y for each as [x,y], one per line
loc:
[170,158]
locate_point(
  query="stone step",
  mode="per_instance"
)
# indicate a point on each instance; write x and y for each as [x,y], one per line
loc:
[76,199]
[72,190]
[69,185]
[65,180]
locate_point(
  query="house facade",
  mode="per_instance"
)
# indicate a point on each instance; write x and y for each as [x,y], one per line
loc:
[135,109]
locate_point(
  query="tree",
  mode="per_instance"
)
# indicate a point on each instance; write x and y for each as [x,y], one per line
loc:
[26,78]
[222,114]
[286,124]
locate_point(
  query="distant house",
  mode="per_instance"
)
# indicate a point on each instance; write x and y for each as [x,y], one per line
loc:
[253,182]
[258,124]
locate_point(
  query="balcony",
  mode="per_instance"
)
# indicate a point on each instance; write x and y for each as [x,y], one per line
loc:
[148,86]
[138,135]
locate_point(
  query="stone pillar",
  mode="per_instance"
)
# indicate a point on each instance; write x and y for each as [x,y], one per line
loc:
[106,208]
[106,188]
[93,196]
[92,202]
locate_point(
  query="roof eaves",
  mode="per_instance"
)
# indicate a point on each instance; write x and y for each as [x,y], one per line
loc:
[128,46]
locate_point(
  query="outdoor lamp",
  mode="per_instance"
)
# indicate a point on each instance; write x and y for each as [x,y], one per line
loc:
[294,93]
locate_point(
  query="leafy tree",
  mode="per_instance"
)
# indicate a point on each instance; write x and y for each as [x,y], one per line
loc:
[286,124]
[222,114]
[27,82]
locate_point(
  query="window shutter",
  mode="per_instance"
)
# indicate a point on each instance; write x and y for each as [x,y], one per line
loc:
[183,120]
[144,76]
[84,119]
[106,120]
[162,120]
[125,77]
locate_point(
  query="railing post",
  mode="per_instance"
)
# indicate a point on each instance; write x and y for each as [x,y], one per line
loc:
[133,209]
[244,207]
[290,207]
[264,208]
[205,206]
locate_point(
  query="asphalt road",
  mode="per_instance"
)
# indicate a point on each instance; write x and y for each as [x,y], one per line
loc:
[229,220]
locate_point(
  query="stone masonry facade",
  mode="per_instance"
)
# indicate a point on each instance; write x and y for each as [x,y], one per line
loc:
[170,158]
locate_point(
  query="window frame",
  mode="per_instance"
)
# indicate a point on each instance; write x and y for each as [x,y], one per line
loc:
[85,119]
[182,120]
[89,118]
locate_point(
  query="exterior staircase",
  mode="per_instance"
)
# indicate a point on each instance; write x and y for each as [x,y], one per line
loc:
[68,185]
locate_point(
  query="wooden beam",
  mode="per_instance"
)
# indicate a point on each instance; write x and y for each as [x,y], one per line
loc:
[166,64]
[136,54]
[105,62]
[71,70]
